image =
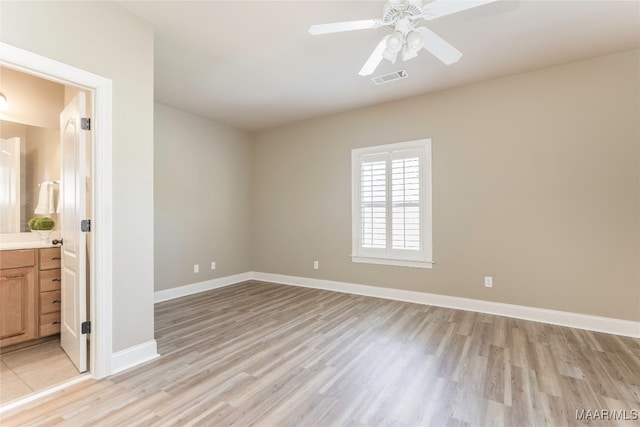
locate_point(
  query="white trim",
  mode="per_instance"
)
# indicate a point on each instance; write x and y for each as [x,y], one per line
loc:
[562,318]
[134,356]
[395,262]
[194,288]
[41,394]
[102,232]
[101,308]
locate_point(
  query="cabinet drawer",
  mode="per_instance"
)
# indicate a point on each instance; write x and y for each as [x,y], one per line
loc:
[16,259]
[50,258]
[49,324]
[49,302]
[50,280]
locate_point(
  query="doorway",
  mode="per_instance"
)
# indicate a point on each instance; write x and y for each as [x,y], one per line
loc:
[36,361]
[100,252]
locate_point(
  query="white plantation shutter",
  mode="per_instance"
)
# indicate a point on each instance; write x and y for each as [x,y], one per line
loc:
[405,201]
[373,203]
[392,204]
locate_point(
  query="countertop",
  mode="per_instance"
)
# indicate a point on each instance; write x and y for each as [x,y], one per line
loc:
[26,241]
[26,245]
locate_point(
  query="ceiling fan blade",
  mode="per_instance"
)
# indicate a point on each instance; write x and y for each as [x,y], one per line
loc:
[338,27]
[439,8]
[438,46]
[374,60]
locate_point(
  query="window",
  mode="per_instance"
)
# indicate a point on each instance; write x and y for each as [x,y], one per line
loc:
[391,189]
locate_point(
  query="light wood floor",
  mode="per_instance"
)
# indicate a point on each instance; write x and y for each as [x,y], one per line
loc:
[272,355]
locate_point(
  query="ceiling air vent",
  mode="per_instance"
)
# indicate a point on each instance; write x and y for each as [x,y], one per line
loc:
[386,78]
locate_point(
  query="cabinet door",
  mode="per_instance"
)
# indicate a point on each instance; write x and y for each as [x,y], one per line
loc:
[17,306]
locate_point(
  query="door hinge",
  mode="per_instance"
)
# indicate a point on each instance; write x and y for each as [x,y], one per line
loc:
[86,327]
[85,123]
[85,225]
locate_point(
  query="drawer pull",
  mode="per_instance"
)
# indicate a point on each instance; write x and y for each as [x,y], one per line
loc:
[56,280]
[56,258]
[56,301]
[55,323]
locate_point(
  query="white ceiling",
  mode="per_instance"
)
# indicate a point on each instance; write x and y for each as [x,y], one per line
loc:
[252,64]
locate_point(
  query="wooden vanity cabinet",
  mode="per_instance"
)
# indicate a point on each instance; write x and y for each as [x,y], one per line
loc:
[18,307]
[50,279]
[30,282]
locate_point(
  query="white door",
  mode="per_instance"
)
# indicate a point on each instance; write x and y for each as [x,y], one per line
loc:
[10,188]
[72,192]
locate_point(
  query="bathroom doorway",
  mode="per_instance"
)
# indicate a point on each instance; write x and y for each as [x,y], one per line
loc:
[38,362]
[100,307]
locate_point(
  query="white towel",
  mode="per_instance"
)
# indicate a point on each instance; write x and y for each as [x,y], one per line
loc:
[44,199]
[52,204]
[59,204]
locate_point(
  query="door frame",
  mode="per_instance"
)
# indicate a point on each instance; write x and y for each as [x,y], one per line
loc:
[100,259]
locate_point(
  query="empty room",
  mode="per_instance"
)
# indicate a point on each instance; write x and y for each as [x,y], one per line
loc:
[320,213]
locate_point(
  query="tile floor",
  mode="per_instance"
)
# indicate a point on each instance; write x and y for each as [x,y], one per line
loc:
[32,370]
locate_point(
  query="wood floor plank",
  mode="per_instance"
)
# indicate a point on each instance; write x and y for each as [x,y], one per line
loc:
[263,354]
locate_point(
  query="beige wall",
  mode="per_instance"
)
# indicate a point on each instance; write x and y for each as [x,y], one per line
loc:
[105,39]
[535,182]
[202,198]
[32,100]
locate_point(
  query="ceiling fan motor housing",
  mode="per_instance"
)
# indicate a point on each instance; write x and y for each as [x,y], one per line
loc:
[398,9]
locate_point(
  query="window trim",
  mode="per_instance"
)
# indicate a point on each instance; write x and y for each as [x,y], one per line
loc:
[393,256]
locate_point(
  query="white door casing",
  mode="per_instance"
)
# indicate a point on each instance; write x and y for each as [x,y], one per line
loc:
[101,281]
[73,196]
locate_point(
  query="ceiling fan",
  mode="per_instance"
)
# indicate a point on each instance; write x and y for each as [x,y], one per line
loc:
[402,16]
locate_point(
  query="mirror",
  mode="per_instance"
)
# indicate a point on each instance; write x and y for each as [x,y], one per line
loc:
[38,166]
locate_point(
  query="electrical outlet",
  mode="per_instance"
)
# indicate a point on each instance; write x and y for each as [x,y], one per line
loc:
[316,265]
[196,268]
[213,265]
[488,282]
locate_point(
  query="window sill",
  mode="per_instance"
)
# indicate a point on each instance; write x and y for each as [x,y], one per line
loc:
[395,262]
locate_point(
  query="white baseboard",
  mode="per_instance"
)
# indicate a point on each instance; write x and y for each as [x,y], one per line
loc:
[194,288]
[133,356]
[562,318]
[575,320]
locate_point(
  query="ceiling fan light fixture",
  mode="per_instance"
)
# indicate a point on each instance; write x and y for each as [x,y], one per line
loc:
[413,41]
[390,55]
[395,42]
[408,53]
